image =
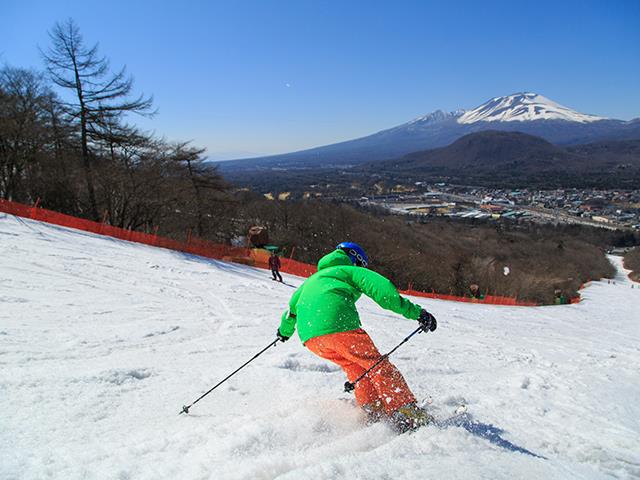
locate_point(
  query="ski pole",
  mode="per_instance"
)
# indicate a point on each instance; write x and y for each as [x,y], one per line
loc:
[185,408]
[349,386]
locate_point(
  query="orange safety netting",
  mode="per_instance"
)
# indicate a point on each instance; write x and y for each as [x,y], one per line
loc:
[197,246]
[193,245]
[491,299]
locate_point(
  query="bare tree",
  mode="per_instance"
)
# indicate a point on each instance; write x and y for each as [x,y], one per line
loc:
[204,179]
[131,172]
[23,129]
[100,96]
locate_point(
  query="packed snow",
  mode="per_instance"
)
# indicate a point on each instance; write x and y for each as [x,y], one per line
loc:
[523,107]
[102,341]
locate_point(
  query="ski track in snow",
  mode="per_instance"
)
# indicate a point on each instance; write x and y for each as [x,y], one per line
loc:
[102,341]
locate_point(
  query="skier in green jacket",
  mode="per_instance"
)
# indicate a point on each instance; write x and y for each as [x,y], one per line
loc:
[323,309]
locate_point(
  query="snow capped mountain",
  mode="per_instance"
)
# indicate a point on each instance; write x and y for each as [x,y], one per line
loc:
[522,107]
[517,107]
[520,112]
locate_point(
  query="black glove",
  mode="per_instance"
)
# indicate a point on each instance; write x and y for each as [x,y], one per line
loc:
[427,321]
[281,337]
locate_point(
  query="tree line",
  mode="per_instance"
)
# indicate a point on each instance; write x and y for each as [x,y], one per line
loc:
[66,143]
[442,255]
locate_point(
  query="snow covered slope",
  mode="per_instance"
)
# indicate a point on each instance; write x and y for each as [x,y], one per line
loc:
[523,107]
[103,341]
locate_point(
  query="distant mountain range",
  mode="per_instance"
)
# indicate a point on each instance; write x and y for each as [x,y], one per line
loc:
[528,113]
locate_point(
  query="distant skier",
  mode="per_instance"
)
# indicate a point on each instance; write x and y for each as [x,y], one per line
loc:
[274,265]
[323,308]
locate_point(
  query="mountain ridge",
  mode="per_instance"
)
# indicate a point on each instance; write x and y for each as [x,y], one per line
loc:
[498,157]
[525,112]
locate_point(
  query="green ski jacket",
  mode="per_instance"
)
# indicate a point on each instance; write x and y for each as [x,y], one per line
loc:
[325,302]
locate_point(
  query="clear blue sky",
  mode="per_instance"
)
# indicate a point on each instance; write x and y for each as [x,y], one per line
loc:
[274,76]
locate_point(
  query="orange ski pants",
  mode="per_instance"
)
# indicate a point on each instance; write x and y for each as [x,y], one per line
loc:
[355,352]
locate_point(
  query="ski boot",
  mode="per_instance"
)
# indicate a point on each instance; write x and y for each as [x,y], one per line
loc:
[410,417]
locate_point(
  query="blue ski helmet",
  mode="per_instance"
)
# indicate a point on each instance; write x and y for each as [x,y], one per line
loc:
[355,252]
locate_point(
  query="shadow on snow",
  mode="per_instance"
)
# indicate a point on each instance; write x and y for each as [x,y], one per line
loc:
[486,431]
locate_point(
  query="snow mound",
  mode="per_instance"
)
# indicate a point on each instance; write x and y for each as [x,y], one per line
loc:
[109,339]
[524,107]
